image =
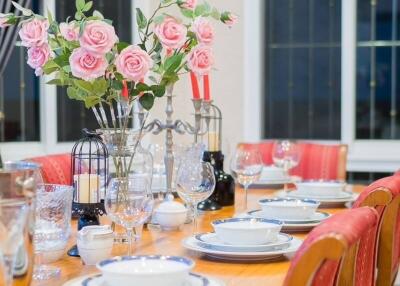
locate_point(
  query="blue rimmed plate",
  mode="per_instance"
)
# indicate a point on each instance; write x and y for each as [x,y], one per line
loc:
[317,217]
[211,240]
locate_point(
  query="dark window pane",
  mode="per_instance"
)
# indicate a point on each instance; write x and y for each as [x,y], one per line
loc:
[384,19]
[302,87]
[72,115]
[19,98]
[363,20]
[278,17]
[363,69]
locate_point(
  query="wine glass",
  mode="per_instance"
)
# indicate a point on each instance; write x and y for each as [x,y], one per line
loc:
[52,227]
[196,182]
[13,216]
[129,203]
[246,166]
[286,155]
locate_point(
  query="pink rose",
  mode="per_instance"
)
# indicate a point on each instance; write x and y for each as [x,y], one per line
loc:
[69,31]
[34,33]
[133,63]
[229,18]
[171,33]
[3,22]
[86,65]
[38,57]
[188,4]
[98,37]
[204,30]
[200,59]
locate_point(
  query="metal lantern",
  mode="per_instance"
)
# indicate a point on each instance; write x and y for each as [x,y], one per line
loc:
[89,164]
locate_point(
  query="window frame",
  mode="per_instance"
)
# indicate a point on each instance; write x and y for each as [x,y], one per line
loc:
[363,155]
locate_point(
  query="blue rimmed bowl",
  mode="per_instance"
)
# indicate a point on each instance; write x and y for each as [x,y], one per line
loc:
[285,208]
[155,270]
[247,231]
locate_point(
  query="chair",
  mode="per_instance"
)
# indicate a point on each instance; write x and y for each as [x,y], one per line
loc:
[328,255]
[318,161]
[56,169]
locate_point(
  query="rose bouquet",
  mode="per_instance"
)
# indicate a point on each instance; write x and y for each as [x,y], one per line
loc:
[85,56]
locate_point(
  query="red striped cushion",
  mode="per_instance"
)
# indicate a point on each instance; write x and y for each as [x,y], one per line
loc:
[56,169]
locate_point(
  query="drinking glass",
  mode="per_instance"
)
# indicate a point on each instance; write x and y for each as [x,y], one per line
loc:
[129,203]
[13,216]
[286,155]
[52,227]
[246,167]
[195,182]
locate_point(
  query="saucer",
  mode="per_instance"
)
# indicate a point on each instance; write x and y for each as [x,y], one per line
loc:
[211,240]
[97,280]
[317,217]
[191,243]
[325,201]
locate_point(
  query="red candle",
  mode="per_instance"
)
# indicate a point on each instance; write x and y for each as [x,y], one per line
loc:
[195,86]
[125,92]
[206,87]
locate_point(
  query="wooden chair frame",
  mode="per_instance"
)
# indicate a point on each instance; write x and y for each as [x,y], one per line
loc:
[328,247]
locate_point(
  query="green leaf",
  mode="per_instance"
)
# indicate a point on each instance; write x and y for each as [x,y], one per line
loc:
[100,86]
[147,101]
[80,5]
[159,19]
[88,6]
[140,86]
[98,15]
[200,10]
[62,60]
[134,92]
[84,85]
[153,79]
[50,16]
[158,90]
[50,67]
[78,16]
[118,76]
[215,14]
[25,12]
[58,81]
[117,85]
[91,101]
[140,19]
[121,46]
[187,13]
[172,63]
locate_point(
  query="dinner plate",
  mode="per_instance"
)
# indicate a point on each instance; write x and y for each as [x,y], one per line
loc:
[97,280]
[271,181]
[324,202]
[191,243]
[211,240]
[316,218]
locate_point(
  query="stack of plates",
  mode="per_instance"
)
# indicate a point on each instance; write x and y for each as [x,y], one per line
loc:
[293,225]
[98,280]
[325,201]
[210,245]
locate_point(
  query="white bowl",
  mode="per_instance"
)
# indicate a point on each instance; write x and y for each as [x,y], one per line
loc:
[168,220]
[247,231]
[93,256]
[280,208]
[154,270]
[320,188]
[273,173]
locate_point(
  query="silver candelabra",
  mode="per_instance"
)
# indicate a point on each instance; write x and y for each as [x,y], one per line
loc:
[179,126]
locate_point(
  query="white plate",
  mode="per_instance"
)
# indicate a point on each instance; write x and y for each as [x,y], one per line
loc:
[325,202]
[316,218]
[211,240]
[340,195]
[97,280]
[192,244]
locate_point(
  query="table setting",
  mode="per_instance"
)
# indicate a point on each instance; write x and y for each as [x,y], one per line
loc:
[164,214]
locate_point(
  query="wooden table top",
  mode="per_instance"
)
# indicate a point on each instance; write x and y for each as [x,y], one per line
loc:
[155,241]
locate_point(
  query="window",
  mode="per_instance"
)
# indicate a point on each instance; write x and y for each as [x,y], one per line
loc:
[19,98]
[302,66]
[72,116]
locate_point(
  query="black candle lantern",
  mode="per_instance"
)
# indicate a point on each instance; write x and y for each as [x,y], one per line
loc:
[89,163]
[224,192]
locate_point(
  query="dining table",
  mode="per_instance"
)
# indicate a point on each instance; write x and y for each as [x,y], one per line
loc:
[155,241]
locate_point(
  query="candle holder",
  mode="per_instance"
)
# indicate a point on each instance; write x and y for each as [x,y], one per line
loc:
[178,126]
[89,163]
[224,192]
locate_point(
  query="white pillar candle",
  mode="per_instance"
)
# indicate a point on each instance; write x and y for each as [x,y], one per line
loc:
[87,187]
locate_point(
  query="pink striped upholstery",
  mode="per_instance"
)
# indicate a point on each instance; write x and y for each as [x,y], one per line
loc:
[351,226]
[366,262]
[56,169]
[318,161]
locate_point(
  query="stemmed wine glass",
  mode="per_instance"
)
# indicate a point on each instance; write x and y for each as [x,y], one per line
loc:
[195,182]
[13,216]
[246,166]
[286,155]
[129,202]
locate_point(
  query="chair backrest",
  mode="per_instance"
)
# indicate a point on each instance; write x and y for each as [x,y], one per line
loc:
[318,161]
[388,233]
[318,261]
[56,169]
